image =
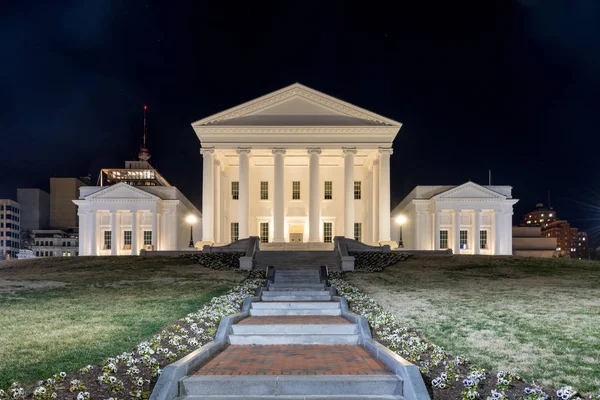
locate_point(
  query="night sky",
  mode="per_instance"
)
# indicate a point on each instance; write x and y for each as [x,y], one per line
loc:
[511,86]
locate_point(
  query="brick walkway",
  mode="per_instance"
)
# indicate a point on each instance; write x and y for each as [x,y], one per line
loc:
[294,319]
[293,360]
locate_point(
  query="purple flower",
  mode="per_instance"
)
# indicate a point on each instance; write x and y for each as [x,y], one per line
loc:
[527,391]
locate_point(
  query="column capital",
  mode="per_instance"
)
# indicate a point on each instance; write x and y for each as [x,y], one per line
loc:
[217,163]
[376,163]
[313,150]
[207,150]
[477,210]
[386,150]
[278,150]
[349,150]
[241,150]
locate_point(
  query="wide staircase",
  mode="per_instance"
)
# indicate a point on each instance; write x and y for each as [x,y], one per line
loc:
[299,259]
[294,345]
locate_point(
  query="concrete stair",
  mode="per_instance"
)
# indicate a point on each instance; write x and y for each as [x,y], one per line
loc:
[299,386]
[299,259]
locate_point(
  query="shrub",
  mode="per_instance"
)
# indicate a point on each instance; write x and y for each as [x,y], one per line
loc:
[370,261]
[218,261]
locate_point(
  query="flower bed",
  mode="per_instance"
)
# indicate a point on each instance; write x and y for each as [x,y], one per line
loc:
[133,374]
[218,261]
[371,261]
[447,377]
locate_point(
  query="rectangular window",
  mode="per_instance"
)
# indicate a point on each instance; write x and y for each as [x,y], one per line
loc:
[235,190]
[483,239]
[443,239]
[357,190]
[107,239]
[235,231]
[264,232]
[328,190]
[127,240]
[264,190]
[327,232]
[358,231]
[147,238]
[463,239]
[296,190]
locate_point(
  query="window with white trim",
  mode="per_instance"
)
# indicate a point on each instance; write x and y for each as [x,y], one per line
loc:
[463,240]
[483,237]
[264,232]
[358,231]
[296,190]
[147,238]
[328,190]
[357,190]
[444,239]
[327,232]
[107,239]
[264,190]
[127,240]
[235,190]
[235,231]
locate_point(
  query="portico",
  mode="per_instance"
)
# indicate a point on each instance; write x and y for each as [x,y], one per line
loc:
[296,165]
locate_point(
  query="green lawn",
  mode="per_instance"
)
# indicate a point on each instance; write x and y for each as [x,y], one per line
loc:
[61,314]
[537,317]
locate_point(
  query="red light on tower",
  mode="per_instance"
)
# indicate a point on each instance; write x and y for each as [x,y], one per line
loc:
[145,107]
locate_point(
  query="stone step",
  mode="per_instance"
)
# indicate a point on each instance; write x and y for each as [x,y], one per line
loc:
[297,281]
[297,297]
[272,293]
[272,339]
[300,397]
[295,329]
[296,286]
[320,305]
[263,312]
[282,385]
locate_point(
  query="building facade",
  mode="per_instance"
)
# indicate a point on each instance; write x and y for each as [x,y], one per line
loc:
[541,216]
[35,209]
[55,243]
[10,228]
[468,218]
[63,213]
[296,165]
[570,242]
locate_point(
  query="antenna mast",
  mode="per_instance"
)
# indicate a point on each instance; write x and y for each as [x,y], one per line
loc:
[144,155]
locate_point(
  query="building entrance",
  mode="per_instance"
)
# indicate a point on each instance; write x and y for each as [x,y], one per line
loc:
[296,233]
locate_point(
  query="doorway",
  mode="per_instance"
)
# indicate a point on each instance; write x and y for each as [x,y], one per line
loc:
[296,233]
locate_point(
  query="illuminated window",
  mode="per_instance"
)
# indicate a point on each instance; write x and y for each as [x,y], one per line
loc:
[235,190]
[443,239]
[483,239]
[358,231]
[357,190]
[327,232]
[235,231]
[528,222]
[107,239]
[147,238]
[463,239]
[264,190]
[296,190]
[127,240]
[542,215]
[264,232]
[328,190]
[549,215]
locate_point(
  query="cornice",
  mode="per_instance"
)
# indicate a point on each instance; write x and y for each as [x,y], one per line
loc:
[296,129]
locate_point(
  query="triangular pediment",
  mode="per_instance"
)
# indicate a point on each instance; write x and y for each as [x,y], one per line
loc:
[469,190]
[121,191]
[296,105]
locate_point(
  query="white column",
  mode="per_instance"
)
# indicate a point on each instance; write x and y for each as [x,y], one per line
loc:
[436,229]
[83,231]
[456,226]
[349,192]
[278,196]
[134,228]
[217,202]
[314,198]
[208,212]
[113,233]
[384,194]
[477,232]
[417,223]
[497,231]
[154,229]
[375,194]
[508,250]
[244,197]
[92,229]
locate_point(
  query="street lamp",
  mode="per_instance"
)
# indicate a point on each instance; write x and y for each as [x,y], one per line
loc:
[400,220]
[191,219]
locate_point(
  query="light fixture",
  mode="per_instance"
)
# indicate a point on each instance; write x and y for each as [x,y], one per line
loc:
[400,220]
[191,219]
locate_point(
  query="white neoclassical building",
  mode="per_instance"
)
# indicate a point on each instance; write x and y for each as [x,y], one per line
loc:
[137,210]
[468,218]
[296,165]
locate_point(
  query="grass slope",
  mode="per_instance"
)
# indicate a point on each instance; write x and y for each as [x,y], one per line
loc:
[59,314]
[539,318]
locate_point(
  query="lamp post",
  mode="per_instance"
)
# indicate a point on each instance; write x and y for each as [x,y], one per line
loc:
[191,219]
[400,220]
